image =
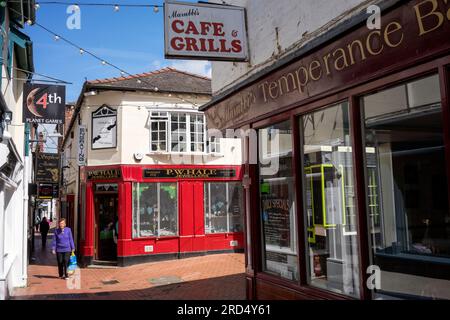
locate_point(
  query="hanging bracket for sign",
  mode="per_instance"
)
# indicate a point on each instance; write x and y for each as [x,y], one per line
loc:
[205,32]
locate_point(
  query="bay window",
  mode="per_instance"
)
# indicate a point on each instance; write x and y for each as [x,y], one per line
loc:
[177,132]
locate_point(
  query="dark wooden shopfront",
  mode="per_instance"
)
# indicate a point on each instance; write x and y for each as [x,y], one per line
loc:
[357,76]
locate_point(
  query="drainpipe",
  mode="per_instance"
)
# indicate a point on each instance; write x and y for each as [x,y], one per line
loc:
[25,207]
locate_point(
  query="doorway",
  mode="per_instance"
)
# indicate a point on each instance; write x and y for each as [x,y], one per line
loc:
[106,222]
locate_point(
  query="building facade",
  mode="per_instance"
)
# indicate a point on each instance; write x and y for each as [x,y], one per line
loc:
[15,161]
[356,122]
[146,183]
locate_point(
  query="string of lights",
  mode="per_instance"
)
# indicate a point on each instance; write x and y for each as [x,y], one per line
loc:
[52,79]
[116,6]
[82,51]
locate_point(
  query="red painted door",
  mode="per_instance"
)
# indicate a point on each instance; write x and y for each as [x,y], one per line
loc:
[191,223]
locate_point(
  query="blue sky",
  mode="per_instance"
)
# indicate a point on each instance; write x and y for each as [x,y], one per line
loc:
[132,39]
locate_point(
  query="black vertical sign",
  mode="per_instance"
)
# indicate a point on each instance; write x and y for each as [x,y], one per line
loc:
[43,103]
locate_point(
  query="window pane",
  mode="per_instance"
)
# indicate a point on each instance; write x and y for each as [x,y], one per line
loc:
[216,208]
[145,209]
[169,209]
[155,209]
[407,195]
[235,206]
[279,235]
[332,250]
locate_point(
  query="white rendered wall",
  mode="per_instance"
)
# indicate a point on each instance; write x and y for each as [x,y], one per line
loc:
[276,28]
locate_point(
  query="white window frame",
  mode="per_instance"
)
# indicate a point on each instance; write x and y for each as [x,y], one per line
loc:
[136,216]
[188,141]
[156,117]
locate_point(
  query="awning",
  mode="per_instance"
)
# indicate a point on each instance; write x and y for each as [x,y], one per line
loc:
[23,49]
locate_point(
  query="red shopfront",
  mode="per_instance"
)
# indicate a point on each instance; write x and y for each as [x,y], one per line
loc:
[131,214]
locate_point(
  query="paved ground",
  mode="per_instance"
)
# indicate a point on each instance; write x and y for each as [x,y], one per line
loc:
[218,277]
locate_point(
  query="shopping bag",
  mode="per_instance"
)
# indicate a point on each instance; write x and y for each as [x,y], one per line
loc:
[72,264]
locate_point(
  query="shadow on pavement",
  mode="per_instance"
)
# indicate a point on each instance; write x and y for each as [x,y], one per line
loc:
[221,288]
[43,256]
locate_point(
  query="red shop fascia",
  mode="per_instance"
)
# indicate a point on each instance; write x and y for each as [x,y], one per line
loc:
[190,239]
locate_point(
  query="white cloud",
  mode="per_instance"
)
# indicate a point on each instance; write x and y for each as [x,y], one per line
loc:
[193,66]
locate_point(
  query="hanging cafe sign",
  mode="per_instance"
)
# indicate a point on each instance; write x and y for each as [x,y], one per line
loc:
[43,104]
[418,28]
[205,31]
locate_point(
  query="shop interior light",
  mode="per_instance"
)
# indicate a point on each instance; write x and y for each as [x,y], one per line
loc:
[81,51]
[116,8]
[155,9]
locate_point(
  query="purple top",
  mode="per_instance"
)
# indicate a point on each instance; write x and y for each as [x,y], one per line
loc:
[63,240]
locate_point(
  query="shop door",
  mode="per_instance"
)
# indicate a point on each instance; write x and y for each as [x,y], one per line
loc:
[105,221]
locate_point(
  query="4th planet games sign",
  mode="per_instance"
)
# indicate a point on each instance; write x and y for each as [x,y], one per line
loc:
[43,104]
[417,28]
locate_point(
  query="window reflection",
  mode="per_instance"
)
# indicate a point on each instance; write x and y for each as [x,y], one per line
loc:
[223,207]
[155,209]
[277,195]
[407,191]
[330,201]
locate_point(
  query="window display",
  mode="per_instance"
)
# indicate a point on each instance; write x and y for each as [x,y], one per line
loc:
[330,201]
[223,207]
[407,195]
[277,193]
[155,210]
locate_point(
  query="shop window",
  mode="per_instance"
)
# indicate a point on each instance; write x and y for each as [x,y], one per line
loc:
[332,251]
[155,210]
[223,207]
[407,195]
[277,194]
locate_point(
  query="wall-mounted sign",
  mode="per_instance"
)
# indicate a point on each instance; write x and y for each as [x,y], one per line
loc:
[48,191]
[81,145]
[43,103]
[104,128]
[104,174]
[47,167]
[189,173]
[205,31]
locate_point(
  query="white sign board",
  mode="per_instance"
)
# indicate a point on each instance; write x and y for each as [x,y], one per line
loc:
[81,145]
[104,128]
[205,32]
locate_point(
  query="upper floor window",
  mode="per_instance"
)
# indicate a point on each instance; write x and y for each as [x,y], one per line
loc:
[177,132]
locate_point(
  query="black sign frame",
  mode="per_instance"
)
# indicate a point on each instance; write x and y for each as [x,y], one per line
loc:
[50,98]
[189,173]
[47,167]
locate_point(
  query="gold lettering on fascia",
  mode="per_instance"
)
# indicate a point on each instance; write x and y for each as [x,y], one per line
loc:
[430,15]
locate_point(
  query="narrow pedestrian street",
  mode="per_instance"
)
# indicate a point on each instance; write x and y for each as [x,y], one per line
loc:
[212,277]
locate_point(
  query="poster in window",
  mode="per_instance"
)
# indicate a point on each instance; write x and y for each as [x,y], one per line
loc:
[104,128]
[276,218]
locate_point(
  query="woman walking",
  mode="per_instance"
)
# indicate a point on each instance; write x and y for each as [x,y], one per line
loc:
[63,246]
